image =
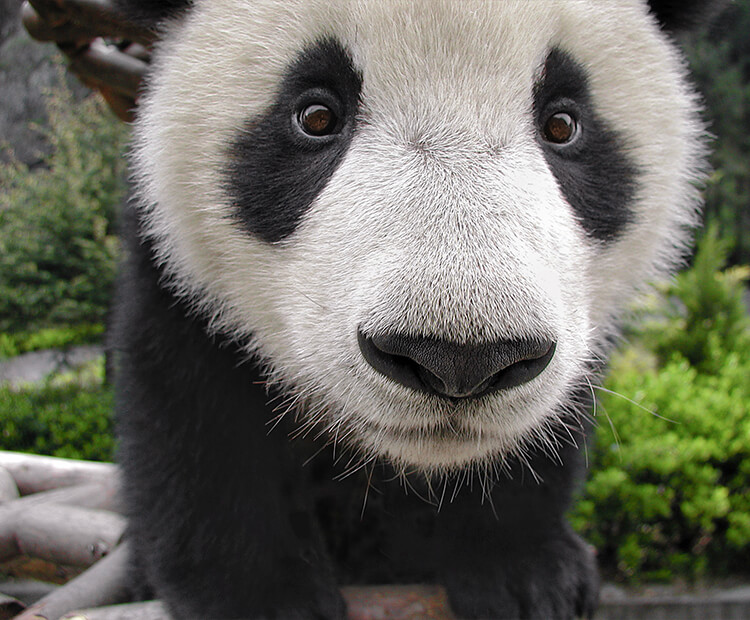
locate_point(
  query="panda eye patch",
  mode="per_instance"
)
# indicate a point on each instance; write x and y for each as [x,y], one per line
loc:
[317,119]
[560,128]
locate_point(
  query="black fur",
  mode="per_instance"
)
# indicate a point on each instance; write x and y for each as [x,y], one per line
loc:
[593,172]
[152,13]
[277,171]
[226,523]
[211,496]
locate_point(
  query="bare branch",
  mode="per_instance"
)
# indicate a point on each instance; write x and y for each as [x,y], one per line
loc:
[18,516]
[76,20]
[103,584]
[68,534]
[151,610]
[9,607]
[34,473]
[8,487]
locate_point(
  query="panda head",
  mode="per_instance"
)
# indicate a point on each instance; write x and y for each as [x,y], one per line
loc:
[423,217]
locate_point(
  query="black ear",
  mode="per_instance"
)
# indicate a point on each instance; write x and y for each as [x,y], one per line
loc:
[681,15]
[151,13]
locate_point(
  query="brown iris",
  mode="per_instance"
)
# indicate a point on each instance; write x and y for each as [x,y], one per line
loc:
[560,128]
[317,119]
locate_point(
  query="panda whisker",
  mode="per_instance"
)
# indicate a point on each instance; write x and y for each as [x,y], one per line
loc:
[368,486]
[615,434]
[327,309]
[317,452]
[527,465]
[632,402]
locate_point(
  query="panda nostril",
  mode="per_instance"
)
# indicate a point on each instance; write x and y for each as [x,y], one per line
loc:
[456,370]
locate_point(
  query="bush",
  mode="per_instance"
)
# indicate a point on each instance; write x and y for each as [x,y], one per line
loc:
[701,314]
[669,491]
[67,416]
[57,247]
[719,56]
[49,338]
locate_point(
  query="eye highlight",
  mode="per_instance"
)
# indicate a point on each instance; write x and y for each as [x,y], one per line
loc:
[317,120]
[560,128]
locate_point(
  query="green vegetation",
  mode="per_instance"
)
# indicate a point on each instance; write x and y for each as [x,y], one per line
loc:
[12,344]
[669,488]
[58,250]
[719,59]
[68,415]
[58,256]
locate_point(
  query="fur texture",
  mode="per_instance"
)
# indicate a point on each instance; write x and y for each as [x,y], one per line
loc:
[437,211]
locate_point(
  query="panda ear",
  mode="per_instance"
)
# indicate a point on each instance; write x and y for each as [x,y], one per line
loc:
[151,13]
[681,15]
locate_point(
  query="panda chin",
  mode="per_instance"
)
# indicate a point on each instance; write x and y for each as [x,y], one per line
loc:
[431,455]
[444,446]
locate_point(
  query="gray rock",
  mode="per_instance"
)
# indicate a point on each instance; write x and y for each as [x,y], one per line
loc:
[36,366]
[28,70]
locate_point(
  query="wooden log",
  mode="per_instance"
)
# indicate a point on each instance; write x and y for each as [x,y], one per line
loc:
[67,534]
[24,567]
[10,607]
[8,487]
[406,602]
[48,31]
[105,65]
[102,496]
[150,610]
[98,17]
[364,603]
[34,473]
[103,584]
[401,602]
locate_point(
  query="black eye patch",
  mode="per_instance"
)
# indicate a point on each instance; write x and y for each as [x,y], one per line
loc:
[593,170]
[283,159]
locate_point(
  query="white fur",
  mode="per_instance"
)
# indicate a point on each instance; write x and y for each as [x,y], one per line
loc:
[443,218]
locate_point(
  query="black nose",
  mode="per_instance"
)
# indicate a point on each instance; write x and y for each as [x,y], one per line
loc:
[456,370]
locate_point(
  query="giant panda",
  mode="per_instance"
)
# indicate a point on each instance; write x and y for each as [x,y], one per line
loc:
[376,255]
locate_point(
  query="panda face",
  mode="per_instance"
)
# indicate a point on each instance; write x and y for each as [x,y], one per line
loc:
[390,203]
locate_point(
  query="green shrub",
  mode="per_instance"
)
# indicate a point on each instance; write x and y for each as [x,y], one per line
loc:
[12,344]
[68,416]
[701,313]
[669,488]
[57,247]
[719,56]
[671,495]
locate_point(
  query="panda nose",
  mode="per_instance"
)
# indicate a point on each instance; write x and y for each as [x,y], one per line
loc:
[456,370]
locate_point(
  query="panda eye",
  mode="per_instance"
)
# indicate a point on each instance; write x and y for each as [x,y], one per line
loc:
[317,120]
[560,128]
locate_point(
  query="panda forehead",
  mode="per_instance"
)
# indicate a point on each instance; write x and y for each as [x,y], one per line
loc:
[412,54]
[451,61]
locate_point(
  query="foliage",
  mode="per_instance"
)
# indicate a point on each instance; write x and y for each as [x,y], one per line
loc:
[12,344]
[719,59]
[669,491]
[701,314]
[68,416]
[57,246]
